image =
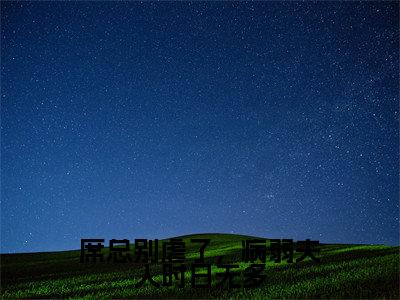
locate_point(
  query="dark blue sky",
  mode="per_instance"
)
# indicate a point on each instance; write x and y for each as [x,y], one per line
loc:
[151,120]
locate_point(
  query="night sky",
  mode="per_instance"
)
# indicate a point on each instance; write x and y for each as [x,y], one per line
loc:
[152,120]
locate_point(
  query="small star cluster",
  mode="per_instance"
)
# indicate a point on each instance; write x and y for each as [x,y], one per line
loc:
[156,119]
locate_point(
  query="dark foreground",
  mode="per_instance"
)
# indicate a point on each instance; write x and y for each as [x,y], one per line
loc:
[345,271]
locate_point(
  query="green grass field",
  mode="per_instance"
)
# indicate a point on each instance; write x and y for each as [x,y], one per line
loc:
[345,271]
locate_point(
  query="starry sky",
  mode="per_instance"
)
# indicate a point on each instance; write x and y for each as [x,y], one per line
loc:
[152,120]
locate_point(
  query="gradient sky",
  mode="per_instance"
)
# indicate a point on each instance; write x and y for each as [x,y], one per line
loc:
[151,120]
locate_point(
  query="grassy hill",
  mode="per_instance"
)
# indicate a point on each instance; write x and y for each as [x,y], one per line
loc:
[345,271]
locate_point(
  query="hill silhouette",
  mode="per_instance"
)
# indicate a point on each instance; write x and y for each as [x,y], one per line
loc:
[345,271]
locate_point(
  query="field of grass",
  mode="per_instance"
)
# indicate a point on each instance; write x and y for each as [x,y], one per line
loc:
[345,271]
